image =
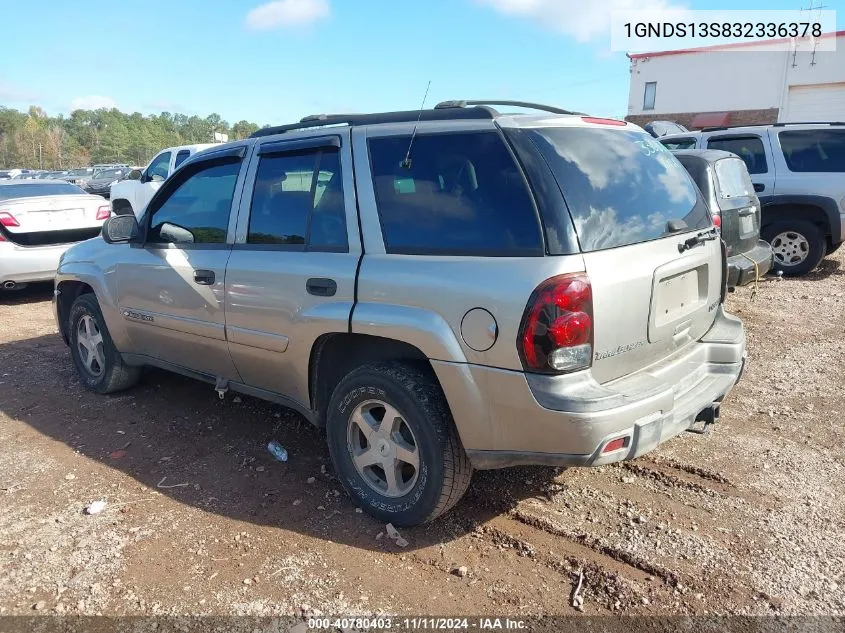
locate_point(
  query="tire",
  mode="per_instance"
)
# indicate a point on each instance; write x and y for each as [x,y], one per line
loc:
[121,207]
[798,246]
[424,427]
[106,372]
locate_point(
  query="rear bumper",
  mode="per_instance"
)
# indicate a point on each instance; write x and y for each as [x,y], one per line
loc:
[741,269]
[569,420]
[24,264]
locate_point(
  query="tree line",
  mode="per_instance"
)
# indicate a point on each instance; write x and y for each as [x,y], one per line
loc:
[34,140]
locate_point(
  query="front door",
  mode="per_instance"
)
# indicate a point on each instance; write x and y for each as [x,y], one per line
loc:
[291,275]
[171,288]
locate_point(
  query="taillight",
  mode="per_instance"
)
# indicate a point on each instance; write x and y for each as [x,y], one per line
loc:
[556,334]
[7,219]
[103,212]
[717,222]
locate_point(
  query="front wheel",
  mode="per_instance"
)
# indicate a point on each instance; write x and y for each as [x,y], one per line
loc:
[394,444]
[98,363]
[798,246]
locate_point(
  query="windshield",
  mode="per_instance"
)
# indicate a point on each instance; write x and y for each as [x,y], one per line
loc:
[11,192]
[110,173]
[734,181]
[80,172]
[621,186]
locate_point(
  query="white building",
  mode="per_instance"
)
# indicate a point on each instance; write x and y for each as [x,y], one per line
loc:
[736,85]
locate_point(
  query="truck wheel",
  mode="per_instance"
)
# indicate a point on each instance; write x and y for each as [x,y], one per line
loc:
[798,246]
[98,363]
[394,444]
[121,207]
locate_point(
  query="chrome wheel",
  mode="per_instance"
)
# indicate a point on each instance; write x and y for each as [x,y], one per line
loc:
[790,248]
[383,448]
[89,342]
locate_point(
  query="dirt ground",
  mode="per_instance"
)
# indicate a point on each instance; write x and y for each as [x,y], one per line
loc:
[200,519]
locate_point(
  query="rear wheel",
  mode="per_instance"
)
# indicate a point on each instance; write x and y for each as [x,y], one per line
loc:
[394,444]
[98,363]
[798,246]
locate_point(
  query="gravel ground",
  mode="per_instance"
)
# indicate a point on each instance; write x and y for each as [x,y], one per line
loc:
[200,520]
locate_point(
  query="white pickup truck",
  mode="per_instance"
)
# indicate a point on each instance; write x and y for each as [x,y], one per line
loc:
[132,194]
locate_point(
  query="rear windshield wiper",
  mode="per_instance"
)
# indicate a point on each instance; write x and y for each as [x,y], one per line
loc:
[704,236]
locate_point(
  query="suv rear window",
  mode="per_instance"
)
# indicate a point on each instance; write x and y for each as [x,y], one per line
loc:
[621,187]
[814,150]
[462,194]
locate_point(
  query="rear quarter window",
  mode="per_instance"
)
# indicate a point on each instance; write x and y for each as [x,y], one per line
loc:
[621,186]
[814,150]
[462,194]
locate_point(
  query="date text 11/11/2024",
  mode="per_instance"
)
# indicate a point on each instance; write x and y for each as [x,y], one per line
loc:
[418,624]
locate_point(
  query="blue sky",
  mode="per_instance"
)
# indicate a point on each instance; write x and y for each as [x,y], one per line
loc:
[274,62]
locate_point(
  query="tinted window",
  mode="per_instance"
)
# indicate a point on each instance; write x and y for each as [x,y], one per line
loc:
[8,192]
[461,194]
[197,211]
[679,143]
[181,155]
[110,173]
[160,166]
[622,187]
[748,148]
[814,150]
[293,191]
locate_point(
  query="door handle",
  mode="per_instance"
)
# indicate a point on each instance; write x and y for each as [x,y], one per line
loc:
[204,277]
[321,287]
[759,186]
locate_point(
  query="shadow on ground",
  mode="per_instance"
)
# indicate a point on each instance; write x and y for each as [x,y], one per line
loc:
[33,293]
[173,431]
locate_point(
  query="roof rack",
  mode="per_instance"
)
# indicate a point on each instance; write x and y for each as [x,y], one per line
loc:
[323,120]
[447,105]
[731,127]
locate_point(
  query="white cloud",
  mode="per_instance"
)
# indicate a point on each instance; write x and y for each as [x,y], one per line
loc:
[93,102]
[582,20]
[282,13]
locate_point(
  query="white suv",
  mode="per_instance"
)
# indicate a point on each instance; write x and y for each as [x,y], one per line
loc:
[132,194]
[798,170]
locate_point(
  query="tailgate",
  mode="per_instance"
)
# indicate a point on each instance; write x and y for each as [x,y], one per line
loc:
[649,300]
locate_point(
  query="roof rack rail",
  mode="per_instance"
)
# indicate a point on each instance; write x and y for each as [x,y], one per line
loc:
[322,120]
[784,124]
[444,105]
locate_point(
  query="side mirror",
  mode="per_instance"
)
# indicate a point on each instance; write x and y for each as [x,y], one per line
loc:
[135,174]
[119,229]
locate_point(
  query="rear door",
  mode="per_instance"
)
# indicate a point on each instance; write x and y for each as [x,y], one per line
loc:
[634,207]
[291,276]
[755,151]
[171,288]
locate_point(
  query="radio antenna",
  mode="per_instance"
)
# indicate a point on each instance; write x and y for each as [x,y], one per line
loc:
[407,162]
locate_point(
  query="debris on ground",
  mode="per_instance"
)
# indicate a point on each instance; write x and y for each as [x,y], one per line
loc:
[393,534]
[278,451]
[577,597]
[461,572]
[95,507]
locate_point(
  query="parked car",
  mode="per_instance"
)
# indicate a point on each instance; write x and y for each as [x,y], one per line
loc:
[726,185]
[78,176]
[132,194]
[103,166]
[460,289]
[8,174]
[662,128]
[102,181]
[798,171]
[39,221]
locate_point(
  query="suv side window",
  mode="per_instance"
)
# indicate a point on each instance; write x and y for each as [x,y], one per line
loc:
[298,200]
[748,148]
[197,210]
[181,155]
[679,143]
[814,150]
[462,194]
[159,167]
